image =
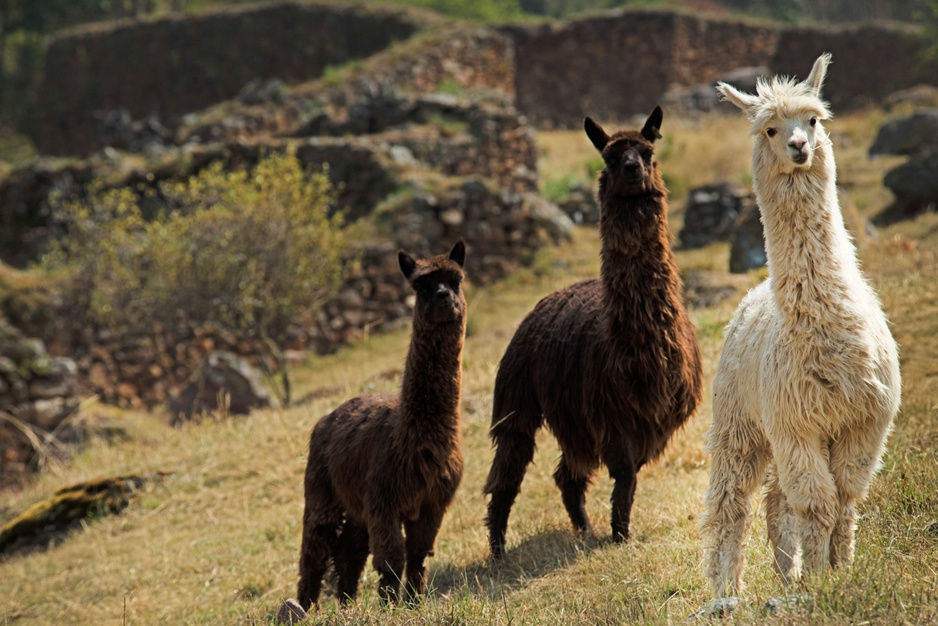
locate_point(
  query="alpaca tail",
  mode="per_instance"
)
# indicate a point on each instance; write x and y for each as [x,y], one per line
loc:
[516,417]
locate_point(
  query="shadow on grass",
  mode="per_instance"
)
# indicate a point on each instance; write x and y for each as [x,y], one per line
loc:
[533,558]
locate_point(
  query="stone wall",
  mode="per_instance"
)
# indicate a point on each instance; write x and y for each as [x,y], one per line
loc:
[622,63]
[173,65]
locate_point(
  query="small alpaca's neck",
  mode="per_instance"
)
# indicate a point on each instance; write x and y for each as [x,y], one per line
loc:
[812,261]
[641,283]
[430,388]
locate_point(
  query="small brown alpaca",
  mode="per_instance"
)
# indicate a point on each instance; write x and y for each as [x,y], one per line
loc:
[380,462]
[613,364]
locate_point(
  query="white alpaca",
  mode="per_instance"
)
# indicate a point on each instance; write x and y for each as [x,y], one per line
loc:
[808,382]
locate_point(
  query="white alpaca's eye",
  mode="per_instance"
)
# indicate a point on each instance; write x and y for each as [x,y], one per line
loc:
[771,132]
[813,121]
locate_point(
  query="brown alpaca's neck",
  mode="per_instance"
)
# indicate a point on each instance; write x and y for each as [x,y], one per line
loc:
[430,389]
[641,283]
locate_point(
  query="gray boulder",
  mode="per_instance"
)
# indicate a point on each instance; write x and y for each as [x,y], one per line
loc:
[747,245]
[912,134]
[915,185]
[711,213]
[223,377]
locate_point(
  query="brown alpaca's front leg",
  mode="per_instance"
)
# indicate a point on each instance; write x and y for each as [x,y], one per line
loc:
[351,553]
[421,536]
[387,547]
[622,471]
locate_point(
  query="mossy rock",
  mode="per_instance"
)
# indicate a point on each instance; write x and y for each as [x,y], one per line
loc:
[68,506]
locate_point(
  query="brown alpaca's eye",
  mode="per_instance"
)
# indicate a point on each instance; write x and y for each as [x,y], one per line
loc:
[813,121]
[771,132]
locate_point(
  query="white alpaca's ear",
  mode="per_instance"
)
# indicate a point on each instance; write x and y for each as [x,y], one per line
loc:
[745,101]
[816,78]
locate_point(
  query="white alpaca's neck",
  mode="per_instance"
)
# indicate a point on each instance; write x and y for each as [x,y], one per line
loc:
[812,261]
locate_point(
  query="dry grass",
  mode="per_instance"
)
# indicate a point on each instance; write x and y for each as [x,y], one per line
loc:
[217,542]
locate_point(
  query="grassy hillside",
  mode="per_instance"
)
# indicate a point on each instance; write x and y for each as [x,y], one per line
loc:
[216,541]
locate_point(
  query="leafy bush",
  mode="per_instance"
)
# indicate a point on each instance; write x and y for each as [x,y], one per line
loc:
[249,252]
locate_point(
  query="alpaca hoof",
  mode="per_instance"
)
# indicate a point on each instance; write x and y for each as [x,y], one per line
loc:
[716,609]
[290,612]
[788,603]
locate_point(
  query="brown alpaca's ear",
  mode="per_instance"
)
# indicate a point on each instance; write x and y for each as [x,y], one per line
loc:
[596,134]
[458,253]
[407,263]
[650,130]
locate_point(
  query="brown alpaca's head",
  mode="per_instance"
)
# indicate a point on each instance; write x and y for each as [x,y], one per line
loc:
[438,285]
[629,157]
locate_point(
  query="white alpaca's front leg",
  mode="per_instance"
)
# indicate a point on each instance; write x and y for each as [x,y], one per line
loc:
[782,525]
[739,457]
[854,458]
[806,480]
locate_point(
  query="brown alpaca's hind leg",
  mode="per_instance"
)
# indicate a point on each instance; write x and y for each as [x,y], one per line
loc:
[514,451]
[421,536]
[351,553]
[573,488]
[321,517]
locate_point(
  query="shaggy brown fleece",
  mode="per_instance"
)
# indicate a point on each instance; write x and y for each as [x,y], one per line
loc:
[382,462]
[613,364]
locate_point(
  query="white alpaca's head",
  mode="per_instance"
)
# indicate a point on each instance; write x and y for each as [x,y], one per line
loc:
[786,117]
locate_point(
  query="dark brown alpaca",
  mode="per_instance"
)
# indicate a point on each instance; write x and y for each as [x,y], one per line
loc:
[382,462]
[612,364]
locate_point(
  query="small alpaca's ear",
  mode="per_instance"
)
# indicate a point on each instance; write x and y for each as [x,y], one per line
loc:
[746,102]
[818,71]
[651,129]
[458,253]
[596,134]
[407,263]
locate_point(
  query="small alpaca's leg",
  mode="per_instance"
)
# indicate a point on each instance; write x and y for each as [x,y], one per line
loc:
[782,527]
[386,541]
[854,459]
[514,451]
[573,488]
[351,553]
[804,476]
[421,537]
[739,457]
[622,470]
[321,517]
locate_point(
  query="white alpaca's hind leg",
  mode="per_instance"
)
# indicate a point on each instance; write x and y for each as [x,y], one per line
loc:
[739,456]
[805,478]
[782,527]
[854,458]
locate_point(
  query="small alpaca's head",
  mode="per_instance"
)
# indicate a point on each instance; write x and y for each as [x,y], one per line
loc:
[786,116]
[629,157]
[438,285]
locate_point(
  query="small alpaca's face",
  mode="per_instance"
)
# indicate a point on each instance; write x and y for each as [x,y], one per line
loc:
[438,285]
[628,155]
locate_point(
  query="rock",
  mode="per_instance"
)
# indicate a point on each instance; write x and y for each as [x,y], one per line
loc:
[546,215]
[788,603]
[703,97]
[222,375]
[706,289]
[912,134]
[580,206]
[915,185]
[711,213]
[260,91]
[747,244]
[290,612]
[716,609]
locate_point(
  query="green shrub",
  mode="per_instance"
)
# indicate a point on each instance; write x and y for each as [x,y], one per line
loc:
[250,252]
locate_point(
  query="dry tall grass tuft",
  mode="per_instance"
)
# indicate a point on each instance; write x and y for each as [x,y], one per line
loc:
[216,542]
